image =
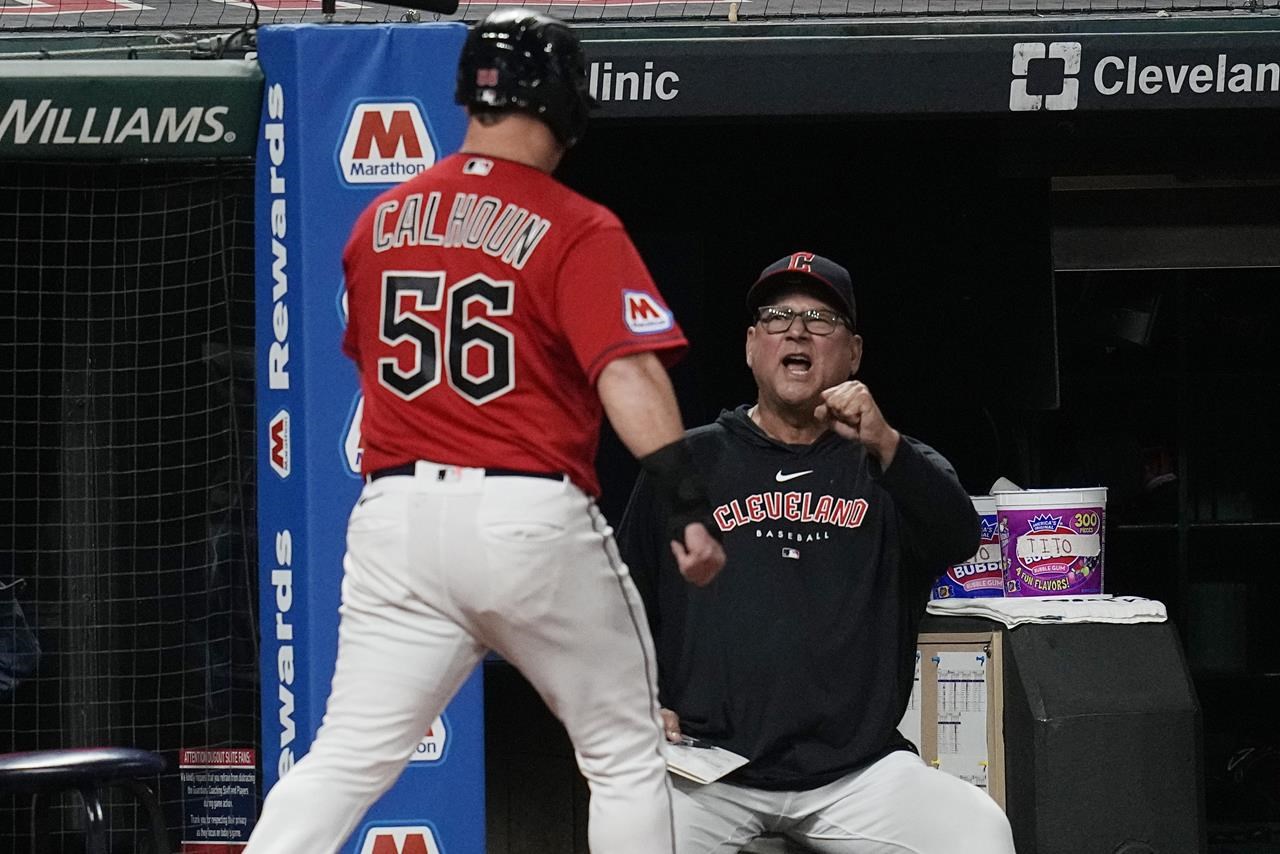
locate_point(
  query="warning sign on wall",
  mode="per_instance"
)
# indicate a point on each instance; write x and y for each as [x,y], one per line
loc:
[219,799]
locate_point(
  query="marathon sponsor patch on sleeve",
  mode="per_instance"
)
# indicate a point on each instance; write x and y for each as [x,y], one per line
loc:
[644,315]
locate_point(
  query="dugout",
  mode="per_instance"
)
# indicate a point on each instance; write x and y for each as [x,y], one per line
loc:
[1063,295]
[1047,294]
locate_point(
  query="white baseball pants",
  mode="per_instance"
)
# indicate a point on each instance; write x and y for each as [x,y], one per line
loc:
[440,568]
[898,805]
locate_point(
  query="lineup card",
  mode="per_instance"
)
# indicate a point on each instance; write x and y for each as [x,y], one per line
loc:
[704,764]
[962,715]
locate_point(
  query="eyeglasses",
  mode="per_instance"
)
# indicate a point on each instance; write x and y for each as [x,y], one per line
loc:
[777,319]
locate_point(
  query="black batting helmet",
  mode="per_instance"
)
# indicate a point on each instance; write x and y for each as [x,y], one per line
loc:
[516,59]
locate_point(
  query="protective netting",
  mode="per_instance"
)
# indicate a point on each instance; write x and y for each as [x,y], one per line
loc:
[127,520]
[87,16]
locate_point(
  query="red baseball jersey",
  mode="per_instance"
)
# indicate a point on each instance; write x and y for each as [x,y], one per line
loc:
[484,298]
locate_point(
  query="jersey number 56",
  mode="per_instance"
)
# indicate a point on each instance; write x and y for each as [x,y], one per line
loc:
[401,324]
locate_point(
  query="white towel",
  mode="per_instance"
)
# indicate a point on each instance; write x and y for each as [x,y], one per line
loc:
[1055,609]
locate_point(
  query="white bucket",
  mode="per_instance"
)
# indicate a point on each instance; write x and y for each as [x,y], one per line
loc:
[1052,540]
[982,575]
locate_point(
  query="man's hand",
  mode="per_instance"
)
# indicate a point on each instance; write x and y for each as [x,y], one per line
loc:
[851,411]
[671,725]
[699,558]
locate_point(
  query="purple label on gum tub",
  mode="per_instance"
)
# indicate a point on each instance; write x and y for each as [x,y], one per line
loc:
[1052,552]
[981,575]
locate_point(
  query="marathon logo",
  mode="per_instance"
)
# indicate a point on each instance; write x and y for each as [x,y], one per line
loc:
[417,839]
[278,452]
[385,143]
[42,122]
[644,315]
[431,747]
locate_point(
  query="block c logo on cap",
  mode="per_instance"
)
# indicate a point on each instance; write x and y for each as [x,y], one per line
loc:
[802,261]
[417,839]
[385,143]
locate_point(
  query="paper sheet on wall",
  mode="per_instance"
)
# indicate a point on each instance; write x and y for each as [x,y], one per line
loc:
[962,715]
[909,726]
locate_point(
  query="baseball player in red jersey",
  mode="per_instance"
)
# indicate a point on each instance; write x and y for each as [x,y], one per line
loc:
[495,316]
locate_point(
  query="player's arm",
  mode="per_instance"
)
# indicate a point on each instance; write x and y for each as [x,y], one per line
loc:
[641,405]
[937,514]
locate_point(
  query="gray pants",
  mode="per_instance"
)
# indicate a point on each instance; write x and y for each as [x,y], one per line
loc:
[898,805]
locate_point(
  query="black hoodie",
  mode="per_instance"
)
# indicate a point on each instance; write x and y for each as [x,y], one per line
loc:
[801,654]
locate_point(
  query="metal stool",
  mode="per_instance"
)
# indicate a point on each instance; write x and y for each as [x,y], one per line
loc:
[87,771]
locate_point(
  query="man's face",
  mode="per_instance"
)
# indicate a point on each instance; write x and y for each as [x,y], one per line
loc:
[793,368]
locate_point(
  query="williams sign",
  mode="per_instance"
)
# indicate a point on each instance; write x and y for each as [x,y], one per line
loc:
[124,109]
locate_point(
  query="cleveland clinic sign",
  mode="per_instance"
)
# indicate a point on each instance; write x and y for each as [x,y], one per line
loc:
[1068,65]
[1047,76]
[1114,75]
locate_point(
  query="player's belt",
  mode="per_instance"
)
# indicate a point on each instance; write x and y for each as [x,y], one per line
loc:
[411,469]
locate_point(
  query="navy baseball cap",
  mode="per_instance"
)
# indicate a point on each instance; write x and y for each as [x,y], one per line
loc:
[806,268]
